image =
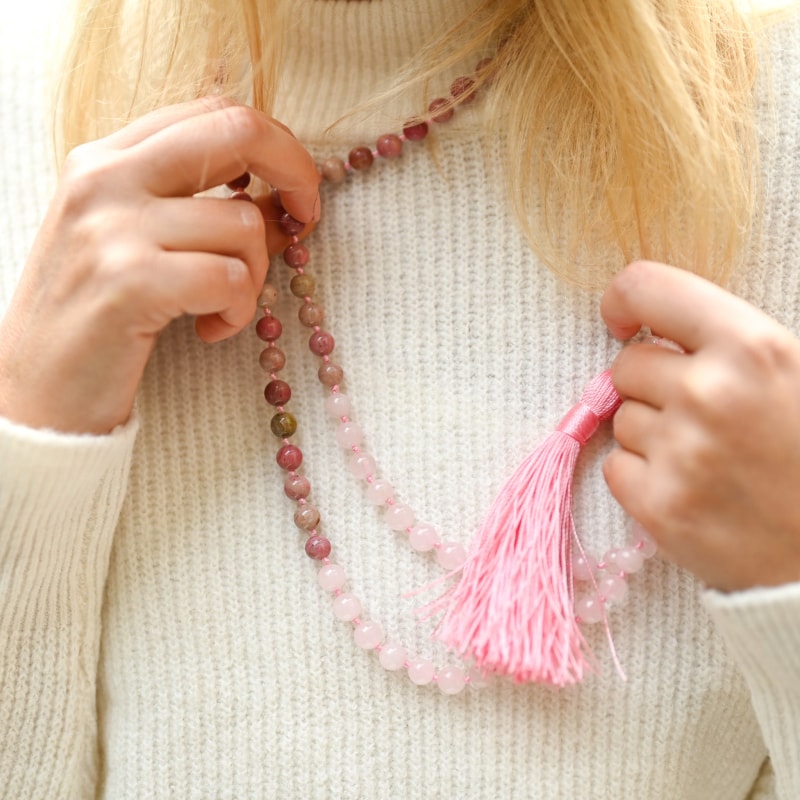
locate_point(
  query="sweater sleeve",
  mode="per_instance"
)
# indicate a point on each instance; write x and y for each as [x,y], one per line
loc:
[60,497]
[761,627]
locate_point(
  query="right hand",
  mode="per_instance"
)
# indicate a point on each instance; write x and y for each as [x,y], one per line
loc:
[125,248]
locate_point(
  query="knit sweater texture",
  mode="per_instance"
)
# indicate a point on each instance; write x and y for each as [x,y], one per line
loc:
[162,634]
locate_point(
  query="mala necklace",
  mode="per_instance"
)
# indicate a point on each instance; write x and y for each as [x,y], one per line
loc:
[521,560]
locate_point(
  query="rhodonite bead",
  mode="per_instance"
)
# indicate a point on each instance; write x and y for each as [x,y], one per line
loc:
[268,296]
[240,183]
[330,374]
[368,635]
[415,131]
[289,457]
[436,112]
[306,518]
[321,343]
[318,548]
[272,359]
[277,393]
[269,328]
[463,89]
[311,314]
[331,577]
[451,680]
[283,424]
[302,285]
[296,255]
[389,145]
[289,225]
[334,170]
[360,158]
[296,487]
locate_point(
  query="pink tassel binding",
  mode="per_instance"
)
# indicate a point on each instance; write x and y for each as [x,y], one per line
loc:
[512,608]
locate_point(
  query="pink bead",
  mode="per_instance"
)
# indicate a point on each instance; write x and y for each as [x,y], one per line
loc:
[625,559]
[368,635]
[311,314]
[321,343]
[289,457]
[346,607]
[333,170]
[296,487]
[306,518]
[318,547]
[269,328]
[451,680]
[463,89]
[583,567]
[240,183]
[451,555]
[612,588]
[296,255]
[421,671]
[379,491]
[330,374]
[415,131]
[362,465]
[268,295]
[398,517]
[643,541]
[478,679]
[272,359]
[389,145]
[349,434]
[589,609]
[289,225]
[423,538]
[436,114]
[331,577]
[337,404]
[277,393]
[360,158]
[392,656]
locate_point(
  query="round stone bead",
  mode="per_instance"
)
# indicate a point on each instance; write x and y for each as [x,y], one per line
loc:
[362,465]
[337,404]
[625,559]
[283,424]
[275,199]
[321,343]
[389,145]
[392,656]
[451,555]
[612,588]
[240,183]
[360,158]
[643,542]
[583,566]
[318,548]
[277,393]
[296,255]
[311,314]
[368,635]
[379,491]
[346,607]
[289,225]
[333,170]
[479,679]
[268,296]
[349,434]
[330,374]
[272,359]
[451,680]
[463,89]
[302,285]
[269,328]
[415,131]
[306,518]
[331,577]
[440,110]
[296,487]
[289,457]
[421,671]
[399,517]
[589,609]
[423,538]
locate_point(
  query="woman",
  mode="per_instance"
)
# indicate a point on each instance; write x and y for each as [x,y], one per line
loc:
[164,631]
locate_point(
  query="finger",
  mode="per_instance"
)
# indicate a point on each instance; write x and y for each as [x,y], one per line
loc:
[635,425]
[626,476]
[277,239]
[196,154]
[674,303]
[647,372]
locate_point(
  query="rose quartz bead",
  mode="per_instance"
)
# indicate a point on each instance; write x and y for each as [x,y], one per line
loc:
[321,343]
[360,158]
[379,491]
[337,404]
[612,588]
[451,680]
[451,555]
[346,607]
[398,517]
[625,559]
[415,131]
[331,577]
[277,393]
[349,434]
[306,518]
[268,296]
[318,548]
[272,359]
[421,671]
[289,457]
[296,487]
[423,538]
[311,314]
[296,255]
[302,285]
[392,656]
[479,679]
[330,374]
[643,542]
[362,465]
[368,635]
[589,609]
[583,567]
[240,183]
[269,328]
[389,145]
[289,225]
[334,170]
[463,89]
[438,115]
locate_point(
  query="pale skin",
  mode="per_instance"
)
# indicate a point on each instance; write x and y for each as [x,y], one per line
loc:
[709,440]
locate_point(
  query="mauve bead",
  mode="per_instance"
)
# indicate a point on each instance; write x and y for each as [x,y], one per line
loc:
[289,457]
[334,170]
[302,285]
[318,548]
[306,518]
[360,158]
[331,577]
[268,296]
[321,343]
[240,196]
[277,393]
[275,199]
[296,255]
[289,225]
[283,424]
[330,374]
[463,89]
[296,487]
[240,183]
[311,314]
[415,131]
[441,116]
[272,359]
[389,145]
[269,328]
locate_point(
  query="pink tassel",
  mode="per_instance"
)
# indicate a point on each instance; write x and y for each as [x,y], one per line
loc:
[512,608]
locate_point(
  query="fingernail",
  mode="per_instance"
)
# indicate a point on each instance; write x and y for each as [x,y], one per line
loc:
[315,213]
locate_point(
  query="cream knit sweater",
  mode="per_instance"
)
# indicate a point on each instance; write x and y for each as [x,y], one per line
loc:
[161,631]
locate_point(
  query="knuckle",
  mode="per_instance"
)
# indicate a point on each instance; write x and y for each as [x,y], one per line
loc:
[767,349]
[85,173]
[243,122]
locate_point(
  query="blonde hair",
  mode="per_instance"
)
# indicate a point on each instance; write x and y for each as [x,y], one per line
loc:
[629,125]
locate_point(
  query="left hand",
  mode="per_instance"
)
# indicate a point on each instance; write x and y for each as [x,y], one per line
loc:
[709,456]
